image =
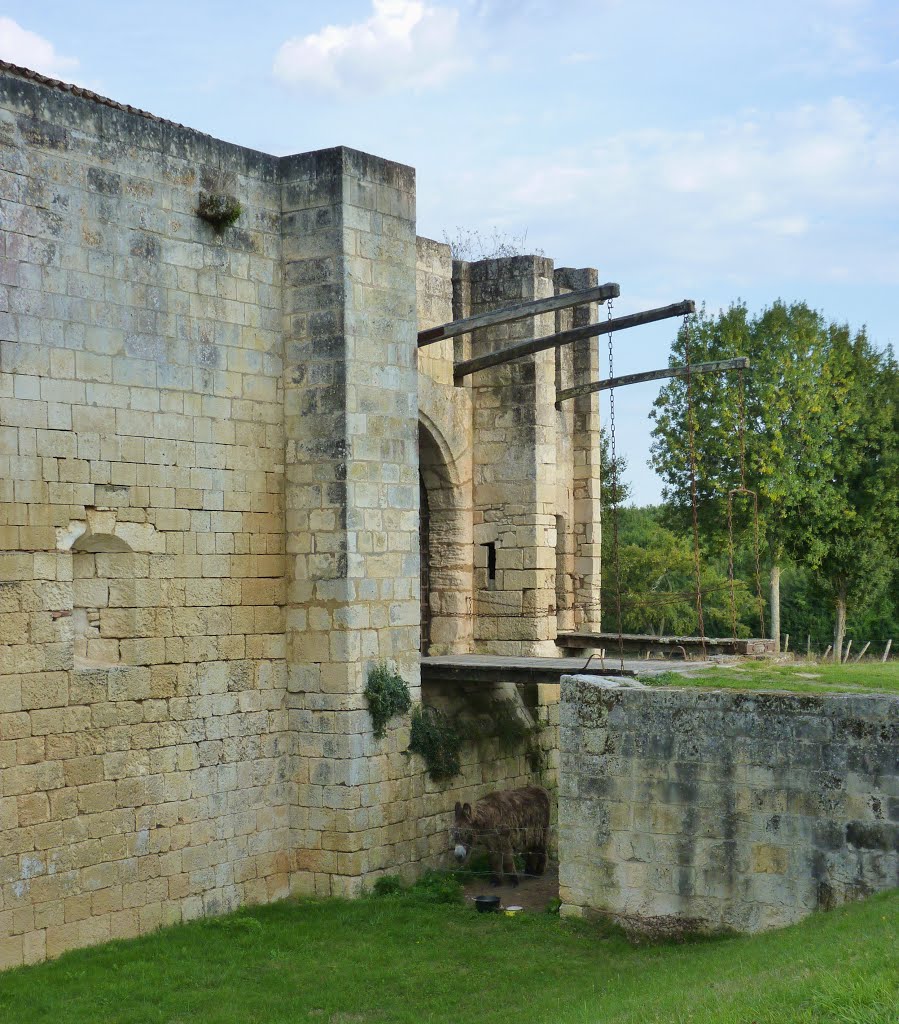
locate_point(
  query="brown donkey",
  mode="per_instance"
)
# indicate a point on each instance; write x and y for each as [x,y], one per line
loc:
[505,823]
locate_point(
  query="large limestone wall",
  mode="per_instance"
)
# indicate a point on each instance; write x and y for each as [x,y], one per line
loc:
[691,809]
[142,528]
[209,519]
[514,440]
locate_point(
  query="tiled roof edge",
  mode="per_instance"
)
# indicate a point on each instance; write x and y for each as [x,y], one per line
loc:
[77,90]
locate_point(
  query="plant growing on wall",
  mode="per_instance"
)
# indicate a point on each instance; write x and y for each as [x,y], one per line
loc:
[387,695]
[435,737]
[438,736]
[219,209]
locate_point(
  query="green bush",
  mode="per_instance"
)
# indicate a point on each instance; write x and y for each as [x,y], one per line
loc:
[437,740]
[437,887]
[387,885]
[219,210]
[387,695]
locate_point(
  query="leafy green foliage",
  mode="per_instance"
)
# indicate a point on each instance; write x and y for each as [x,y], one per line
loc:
[785,417]
[439,736]
[821,441]
[658,580]
[438,887]
[387,885]
[436,739]
[407,960]
[387,695]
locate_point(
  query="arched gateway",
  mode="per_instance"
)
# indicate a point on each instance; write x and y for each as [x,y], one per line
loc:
[445,545]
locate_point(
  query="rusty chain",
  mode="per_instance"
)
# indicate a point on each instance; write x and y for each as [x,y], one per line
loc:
[693,496]
[613,477]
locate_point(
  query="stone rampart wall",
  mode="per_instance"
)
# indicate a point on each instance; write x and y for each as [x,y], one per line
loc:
[144,756]
[695,809]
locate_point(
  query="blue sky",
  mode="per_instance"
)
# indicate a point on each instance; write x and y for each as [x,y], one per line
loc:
[696,150]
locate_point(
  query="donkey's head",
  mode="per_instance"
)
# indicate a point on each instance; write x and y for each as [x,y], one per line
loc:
[462,832]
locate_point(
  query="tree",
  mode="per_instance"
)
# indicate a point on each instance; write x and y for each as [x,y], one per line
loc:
[858,532]
[656,567]
[815,445]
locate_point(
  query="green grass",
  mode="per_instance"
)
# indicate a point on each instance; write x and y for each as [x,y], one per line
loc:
[865,677]
[403,960]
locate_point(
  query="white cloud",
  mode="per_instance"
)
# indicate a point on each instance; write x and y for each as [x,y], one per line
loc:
[28,49]
[805,192]
[404,44]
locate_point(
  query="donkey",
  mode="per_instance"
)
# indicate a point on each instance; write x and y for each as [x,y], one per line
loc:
[507,822]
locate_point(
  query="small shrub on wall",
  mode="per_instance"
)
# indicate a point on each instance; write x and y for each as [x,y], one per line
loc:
[437,740]
[387,695]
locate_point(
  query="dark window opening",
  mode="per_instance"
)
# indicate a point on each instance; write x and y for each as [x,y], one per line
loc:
[491,559]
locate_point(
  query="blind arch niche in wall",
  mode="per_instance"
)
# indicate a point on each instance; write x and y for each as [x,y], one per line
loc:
[103,612]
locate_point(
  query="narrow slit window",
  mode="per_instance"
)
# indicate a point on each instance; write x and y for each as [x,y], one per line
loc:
[491,559]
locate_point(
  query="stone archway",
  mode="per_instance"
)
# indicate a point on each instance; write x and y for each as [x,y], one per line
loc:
[446,551]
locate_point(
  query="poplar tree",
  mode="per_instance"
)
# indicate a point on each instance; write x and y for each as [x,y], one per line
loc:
[774,428]
[857,534]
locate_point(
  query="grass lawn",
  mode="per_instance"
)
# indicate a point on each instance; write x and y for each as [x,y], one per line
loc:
[408,960]
[864,677]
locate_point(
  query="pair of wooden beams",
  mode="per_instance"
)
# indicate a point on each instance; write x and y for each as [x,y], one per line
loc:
[600,293]
[526,348]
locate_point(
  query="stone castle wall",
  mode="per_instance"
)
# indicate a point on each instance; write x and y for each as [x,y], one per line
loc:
[689,809]
[209,523]
[145,758]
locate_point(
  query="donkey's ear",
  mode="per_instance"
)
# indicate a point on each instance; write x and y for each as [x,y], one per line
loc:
[458,809]
[466,809]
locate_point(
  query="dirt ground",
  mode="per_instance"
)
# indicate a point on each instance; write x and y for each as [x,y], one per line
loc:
[533,894]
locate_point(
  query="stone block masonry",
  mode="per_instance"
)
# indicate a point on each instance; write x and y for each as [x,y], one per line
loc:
[208,518]
[352,492]
[689,809]
[146,764]
[213,445]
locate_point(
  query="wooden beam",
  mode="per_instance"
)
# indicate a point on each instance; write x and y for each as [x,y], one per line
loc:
[601,293]
[740,363]
[526,348]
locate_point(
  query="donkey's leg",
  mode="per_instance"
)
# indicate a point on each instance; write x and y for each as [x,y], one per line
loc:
[496,867]
[509,864]
[540,853]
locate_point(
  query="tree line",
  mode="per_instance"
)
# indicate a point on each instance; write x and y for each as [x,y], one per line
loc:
[794,465]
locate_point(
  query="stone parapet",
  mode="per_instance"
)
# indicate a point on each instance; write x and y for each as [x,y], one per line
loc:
[704,810]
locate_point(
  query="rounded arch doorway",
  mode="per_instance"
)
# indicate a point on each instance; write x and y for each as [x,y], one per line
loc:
[445,546]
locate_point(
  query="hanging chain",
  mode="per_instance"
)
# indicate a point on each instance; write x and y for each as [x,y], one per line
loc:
[742,428]
[693,497]
[613,479]
[743,489]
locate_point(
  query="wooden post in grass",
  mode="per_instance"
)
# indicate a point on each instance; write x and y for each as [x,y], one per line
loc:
[824,656]
[861,653]
[848,649]
[808,646]
[786,642]
[886,653]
